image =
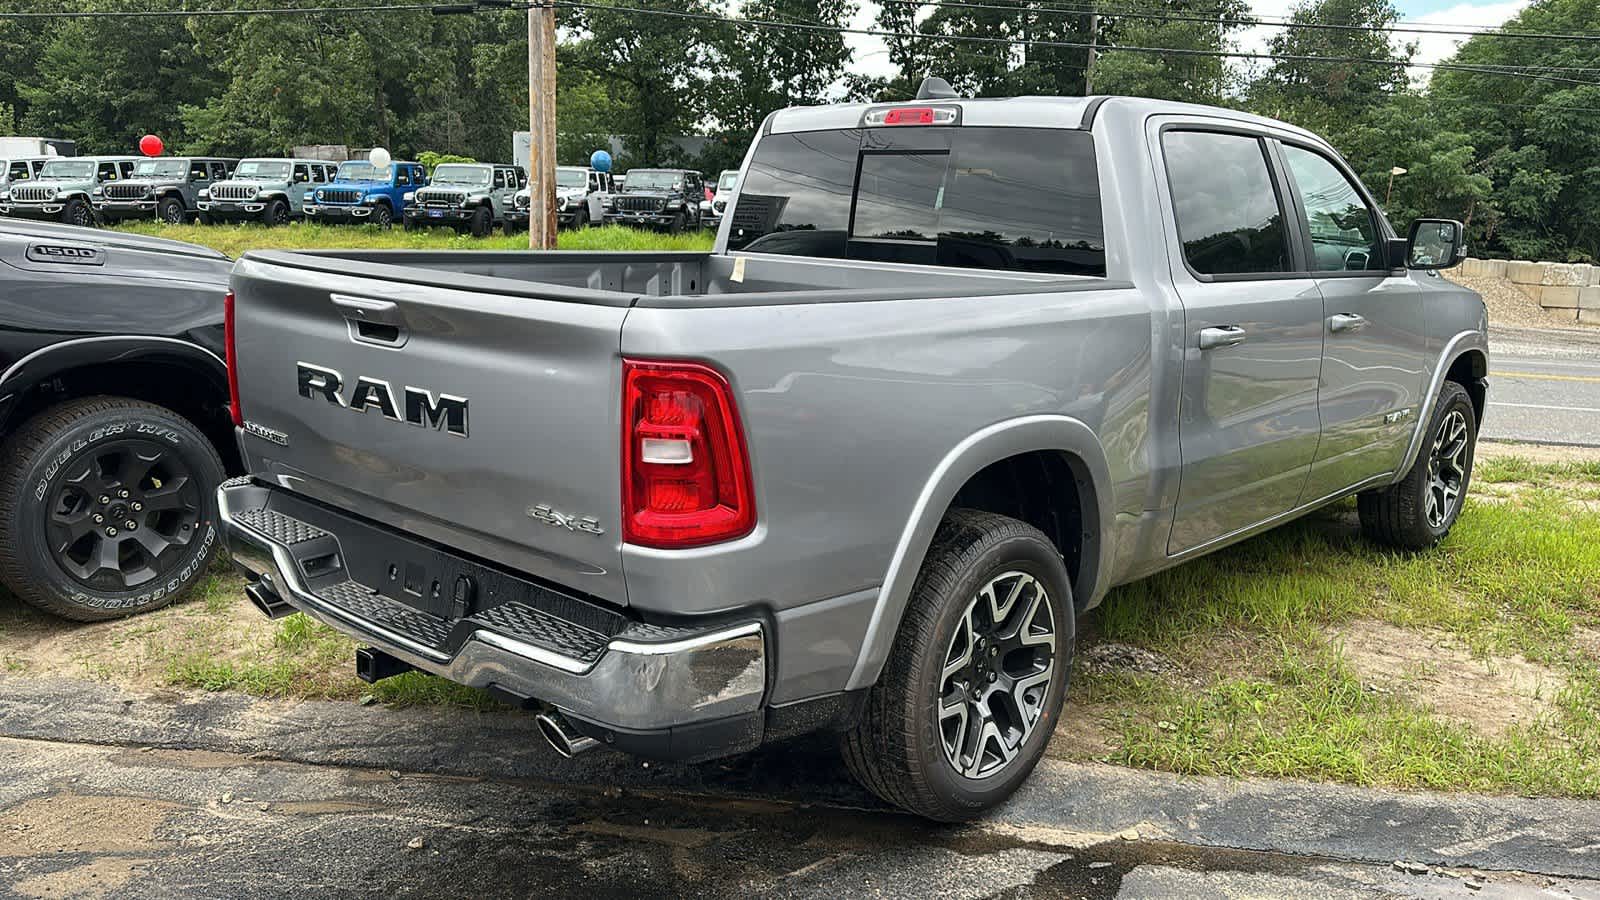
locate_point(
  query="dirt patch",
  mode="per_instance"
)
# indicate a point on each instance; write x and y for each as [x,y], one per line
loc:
[102,877]
[1084,731]
[82,823]
[683,838]
[1488,695]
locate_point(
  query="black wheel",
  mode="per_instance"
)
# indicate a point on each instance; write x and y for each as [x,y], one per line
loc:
[973,687]
[382,215]
[410,225]
[172,211]
[276,213]
[78,212]
[1419,510]
[677,223]
[482,222]
[107,508]
[205,219]
[581,218]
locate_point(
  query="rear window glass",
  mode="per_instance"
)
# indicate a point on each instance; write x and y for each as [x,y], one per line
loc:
[992,198]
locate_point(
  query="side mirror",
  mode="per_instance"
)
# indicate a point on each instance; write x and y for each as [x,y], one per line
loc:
[1436,244]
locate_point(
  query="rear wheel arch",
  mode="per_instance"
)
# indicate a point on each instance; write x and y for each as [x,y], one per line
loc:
[1037,449]
[178,375]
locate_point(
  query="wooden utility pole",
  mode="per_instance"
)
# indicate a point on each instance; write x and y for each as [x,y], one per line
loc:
[542,126]
[1094,37]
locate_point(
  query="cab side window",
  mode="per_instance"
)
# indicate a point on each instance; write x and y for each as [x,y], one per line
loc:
[199,171]
[219,171]
[1344,229]
[402,175]
[19,171]
[1230,218]
[302,173]
[499,179]
[108,171]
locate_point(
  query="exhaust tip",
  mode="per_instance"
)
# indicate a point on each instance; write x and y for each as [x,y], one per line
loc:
[562,737]
[270,604]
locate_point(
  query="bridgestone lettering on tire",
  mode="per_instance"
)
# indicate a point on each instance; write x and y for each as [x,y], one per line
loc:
[1419,510]
[107,508]
[985,644]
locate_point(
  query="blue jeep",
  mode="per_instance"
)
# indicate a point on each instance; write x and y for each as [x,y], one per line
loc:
[363,192]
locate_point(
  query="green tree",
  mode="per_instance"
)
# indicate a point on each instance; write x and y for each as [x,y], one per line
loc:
[1329,97]
[983,67]
[1191,78]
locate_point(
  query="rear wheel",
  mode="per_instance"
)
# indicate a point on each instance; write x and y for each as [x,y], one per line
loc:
[107,508]
[1419,510]
[974,684]
[78,212]
[172,211]
[482,222]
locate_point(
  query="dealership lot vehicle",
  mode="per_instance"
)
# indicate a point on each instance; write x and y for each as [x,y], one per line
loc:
[362,193]
[63,191]
[914,413]
[19,169]
[657,198]
[113,417]
[580,199]
[469,197]
[714,209]
[269,191]
[167,189]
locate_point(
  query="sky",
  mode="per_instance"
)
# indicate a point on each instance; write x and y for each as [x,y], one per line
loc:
[870,58]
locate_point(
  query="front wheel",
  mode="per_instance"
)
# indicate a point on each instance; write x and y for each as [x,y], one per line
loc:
[1419,510]
[276,213]
[107,508]
[79,213]
[482,222]
[382,215]
[172,211]
[974,683]
[677,224]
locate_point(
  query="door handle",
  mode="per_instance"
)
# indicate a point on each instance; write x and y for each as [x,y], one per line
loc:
[1346,322]
[1221,336]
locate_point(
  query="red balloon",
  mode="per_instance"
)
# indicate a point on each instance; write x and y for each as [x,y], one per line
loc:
[150,145]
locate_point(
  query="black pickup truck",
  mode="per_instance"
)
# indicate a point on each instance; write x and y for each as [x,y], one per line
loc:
[115,428]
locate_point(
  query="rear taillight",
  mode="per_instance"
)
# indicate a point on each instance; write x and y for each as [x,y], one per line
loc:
[231,356]
[685,471]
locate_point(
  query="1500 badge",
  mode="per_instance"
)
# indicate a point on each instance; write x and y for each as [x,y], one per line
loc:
[586,524]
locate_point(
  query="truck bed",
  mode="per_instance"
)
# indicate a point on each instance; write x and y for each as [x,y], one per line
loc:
[669,278]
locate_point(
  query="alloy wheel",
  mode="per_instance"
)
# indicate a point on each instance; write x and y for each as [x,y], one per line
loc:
[120,516]
[996,675]
[1447,468]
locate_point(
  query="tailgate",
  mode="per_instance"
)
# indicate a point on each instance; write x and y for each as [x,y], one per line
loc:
[486,422]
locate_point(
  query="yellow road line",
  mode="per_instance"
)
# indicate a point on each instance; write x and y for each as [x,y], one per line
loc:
[1541,376]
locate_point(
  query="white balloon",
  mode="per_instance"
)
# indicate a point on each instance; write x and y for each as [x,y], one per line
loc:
[379,157]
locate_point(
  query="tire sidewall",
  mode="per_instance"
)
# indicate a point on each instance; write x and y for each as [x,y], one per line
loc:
[166,206]
[964,796]
[382,216]
[482,222]
[42,474]
[1453,398]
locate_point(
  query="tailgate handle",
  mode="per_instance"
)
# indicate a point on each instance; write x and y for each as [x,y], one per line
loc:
[372,321]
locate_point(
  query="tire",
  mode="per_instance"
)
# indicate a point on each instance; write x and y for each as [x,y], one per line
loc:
[1419,510]
[71,463]
[409,225]
[276,213]
[205,219]
[677,224]
[482,222]
[902,749]
[78,212]
[383,216]
[172,211]
[581,218]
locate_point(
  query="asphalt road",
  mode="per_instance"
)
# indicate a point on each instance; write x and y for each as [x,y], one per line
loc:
[1544,386]
[108,793]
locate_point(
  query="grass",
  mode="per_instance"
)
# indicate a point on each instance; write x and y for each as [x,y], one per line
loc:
[1269,688]
[235,240]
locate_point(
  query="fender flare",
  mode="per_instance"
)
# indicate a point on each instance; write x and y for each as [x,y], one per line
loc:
[77,353]
[990,445]
[1473,341]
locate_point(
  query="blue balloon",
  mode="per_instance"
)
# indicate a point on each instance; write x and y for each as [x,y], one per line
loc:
[600,161]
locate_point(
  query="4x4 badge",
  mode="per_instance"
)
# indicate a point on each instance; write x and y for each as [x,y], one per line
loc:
[545,514]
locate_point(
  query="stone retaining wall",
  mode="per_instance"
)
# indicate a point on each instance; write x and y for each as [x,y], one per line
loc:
[1564,287]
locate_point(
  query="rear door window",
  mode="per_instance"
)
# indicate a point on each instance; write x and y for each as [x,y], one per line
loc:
[994,198]
[1230,218]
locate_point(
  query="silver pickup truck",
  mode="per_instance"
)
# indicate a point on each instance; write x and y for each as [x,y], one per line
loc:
[954,369]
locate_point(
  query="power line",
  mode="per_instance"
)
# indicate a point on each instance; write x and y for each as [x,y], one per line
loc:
[1533,72]
[186,13]
[1244,22]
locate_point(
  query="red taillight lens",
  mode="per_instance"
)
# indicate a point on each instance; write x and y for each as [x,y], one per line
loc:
[685,471]
[231,357]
